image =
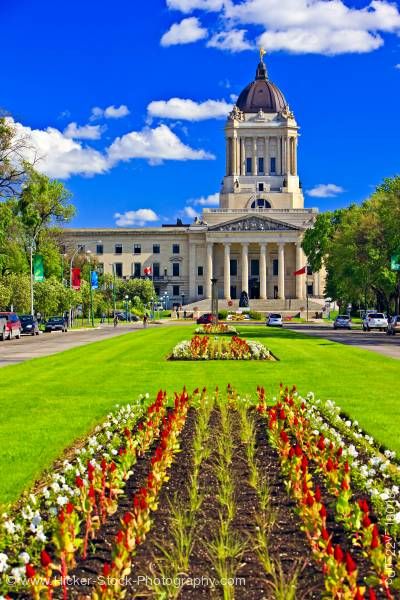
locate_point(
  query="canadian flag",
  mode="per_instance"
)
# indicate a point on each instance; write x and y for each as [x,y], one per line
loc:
[301,271]
[147,270]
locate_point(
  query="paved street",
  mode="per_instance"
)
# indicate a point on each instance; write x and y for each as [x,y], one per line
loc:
[16,351]
[376,341]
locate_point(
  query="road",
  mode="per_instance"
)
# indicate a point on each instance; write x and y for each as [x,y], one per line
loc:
[376,341]
[16,351]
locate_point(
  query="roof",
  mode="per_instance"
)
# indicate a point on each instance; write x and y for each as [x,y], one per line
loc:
[261,94]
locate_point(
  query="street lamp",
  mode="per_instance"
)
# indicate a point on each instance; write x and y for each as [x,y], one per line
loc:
[166,300]
[32,246]
[71,262]
[126,306]
[88,253]
[183,299]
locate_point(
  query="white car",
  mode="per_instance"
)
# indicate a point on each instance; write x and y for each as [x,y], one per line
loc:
[274,320]
[375,320]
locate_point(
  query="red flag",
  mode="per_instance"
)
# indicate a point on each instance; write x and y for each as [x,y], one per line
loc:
[147,270]
[301,271]
[76,278]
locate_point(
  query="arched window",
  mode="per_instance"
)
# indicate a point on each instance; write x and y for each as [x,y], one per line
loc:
[260,203]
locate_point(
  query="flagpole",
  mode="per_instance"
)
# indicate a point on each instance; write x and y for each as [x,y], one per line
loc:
[31,262]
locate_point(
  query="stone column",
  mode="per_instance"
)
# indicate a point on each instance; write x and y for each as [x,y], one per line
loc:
[227,156]
[263,271]
[281,271]
[254,156]
[209,268]
[234,155]
[266,156]
[245,268]
[300,280]
[295,156]
[278,161]
[288,156]
[192,272]
[227,271]
[243,157]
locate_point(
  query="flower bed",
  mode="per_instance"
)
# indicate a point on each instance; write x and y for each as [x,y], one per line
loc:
[279,496]
[208,348]
[219,329]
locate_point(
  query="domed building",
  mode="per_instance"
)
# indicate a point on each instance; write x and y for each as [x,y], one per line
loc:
[252,242]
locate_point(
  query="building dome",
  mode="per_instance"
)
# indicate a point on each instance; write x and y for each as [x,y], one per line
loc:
[261,94]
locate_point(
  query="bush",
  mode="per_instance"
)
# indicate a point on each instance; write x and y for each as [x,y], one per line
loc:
[256,316]
[222,314]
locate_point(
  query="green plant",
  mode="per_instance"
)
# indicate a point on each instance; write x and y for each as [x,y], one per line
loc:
[255,316]
[284,582]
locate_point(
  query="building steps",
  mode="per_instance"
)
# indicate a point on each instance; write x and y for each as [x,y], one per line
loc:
[287,306]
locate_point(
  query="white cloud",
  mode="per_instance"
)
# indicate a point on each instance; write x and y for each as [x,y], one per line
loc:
[136,217]
[58,155]
[325,190]
[397,66]
[232,40]
[299,26]
[111,112]
[188,6]
[156,144]
[181,108]
[186,32]
[211,200]
[190,212]
[83,132]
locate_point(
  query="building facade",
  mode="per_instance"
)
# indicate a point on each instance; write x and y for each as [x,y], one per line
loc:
[252,242]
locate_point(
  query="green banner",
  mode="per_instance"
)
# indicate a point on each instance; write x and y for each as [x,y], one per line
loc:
[395,262]
[38,271]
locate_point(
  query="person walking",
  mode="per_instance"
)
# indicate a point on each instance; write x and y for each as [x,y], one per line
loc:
[145,320]
[115,321]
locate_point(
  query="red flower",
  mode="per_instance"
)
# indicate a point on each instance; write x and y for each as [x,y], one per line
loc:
[298,450]
[106,569]
[324,534]
[291,452]
[30,571]
[61,516]
[304,463]
[366,521]
[127,518]
[338,553]
[329,464]
[45,558]
[350,564]
[317,494]
[92,493]
[69,507]
[339,452]
[284,437]
[345,485]
[103,464]
[375,543]
[79,482]
[363,504]
[358,595]
[346,467]
[372,595]
[322,512]
[281,415]
[309,500]
[127,432]
[119,537]
[321,443]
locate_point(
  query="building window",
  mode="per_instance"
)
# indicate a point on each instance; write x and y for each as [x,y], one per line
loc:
[156,248]
[233,292]
[260,203]
[175,249]
[99,249]
[275,267]
[260,187]
[272,168]
[249,166]
[175,290]
[234,265]
[137,268]
[200,271]
[200,291]
[255,267]
[310,289]
[156,269]
[137,249]
[118,249]
[261,165]
[118,269]
[175,269]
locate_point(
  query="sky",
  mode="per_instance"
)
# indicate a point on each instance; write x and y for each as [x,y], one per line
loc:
[126,101]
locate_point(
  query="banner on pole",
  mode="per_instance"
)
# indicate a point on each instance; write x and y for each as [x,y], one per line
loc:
[147,270]
[38,270]
[76,278]
[395,262]
[301,271]
[94,280]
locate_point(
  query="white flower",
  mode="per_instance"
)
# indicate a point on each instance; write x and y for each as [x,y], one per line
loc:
[3,562]
[40,534]
[24,557]
[27,513]
[352,450]
[46,493]
[55,487]
[53,510]
[62,500]
[396,518]
[18,573]
[385,496]
[9,526]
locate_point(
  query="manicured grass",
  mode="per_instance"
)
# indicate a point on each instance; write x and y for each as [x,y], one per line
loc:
[49,402]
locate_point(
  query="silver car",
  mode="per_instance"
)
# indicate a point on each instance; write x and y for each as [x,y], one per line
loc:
[375,321]
[274,320]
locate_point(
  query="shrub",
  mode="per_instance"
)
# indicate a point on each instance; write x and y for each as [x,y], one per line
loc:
[222,314]
[256,316]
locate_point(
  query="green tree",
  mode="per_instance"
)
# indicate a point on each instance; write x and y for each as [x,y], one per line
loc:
[13,149]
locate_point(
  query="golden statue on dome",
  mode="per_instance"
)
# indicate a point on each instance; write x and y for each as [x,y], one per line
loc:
[263,52]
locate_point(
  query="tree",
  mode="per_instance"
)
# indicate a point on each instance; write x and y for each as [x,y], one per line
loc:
[15,292]
[13,152]
[143,288]
[317,240]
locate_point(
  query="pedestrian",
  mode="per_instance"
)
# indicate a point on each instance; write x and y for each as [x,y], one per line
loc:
[145,320]
[115,321]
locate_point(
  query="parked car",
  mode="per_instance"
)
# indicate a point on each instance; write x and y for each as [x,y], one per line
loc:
[204,319]
[393,325]
[29,324]
[274,320]
[55,324]
[11,326]
[342,322]
[124,316]
[375,321]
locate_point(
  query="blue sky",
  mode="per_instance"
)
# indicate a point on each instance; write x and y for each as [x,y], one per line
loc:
[338,64]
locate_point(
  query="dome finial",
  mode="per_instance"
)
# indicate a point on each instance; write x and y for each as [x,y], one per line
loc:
[261,72]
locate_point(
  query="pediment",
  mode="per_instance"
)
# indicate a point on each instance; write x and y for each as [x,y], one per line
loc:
[253,223]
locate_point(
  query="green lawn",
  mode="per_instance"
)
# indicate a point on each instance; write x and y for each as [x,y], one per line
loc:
[49,402]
